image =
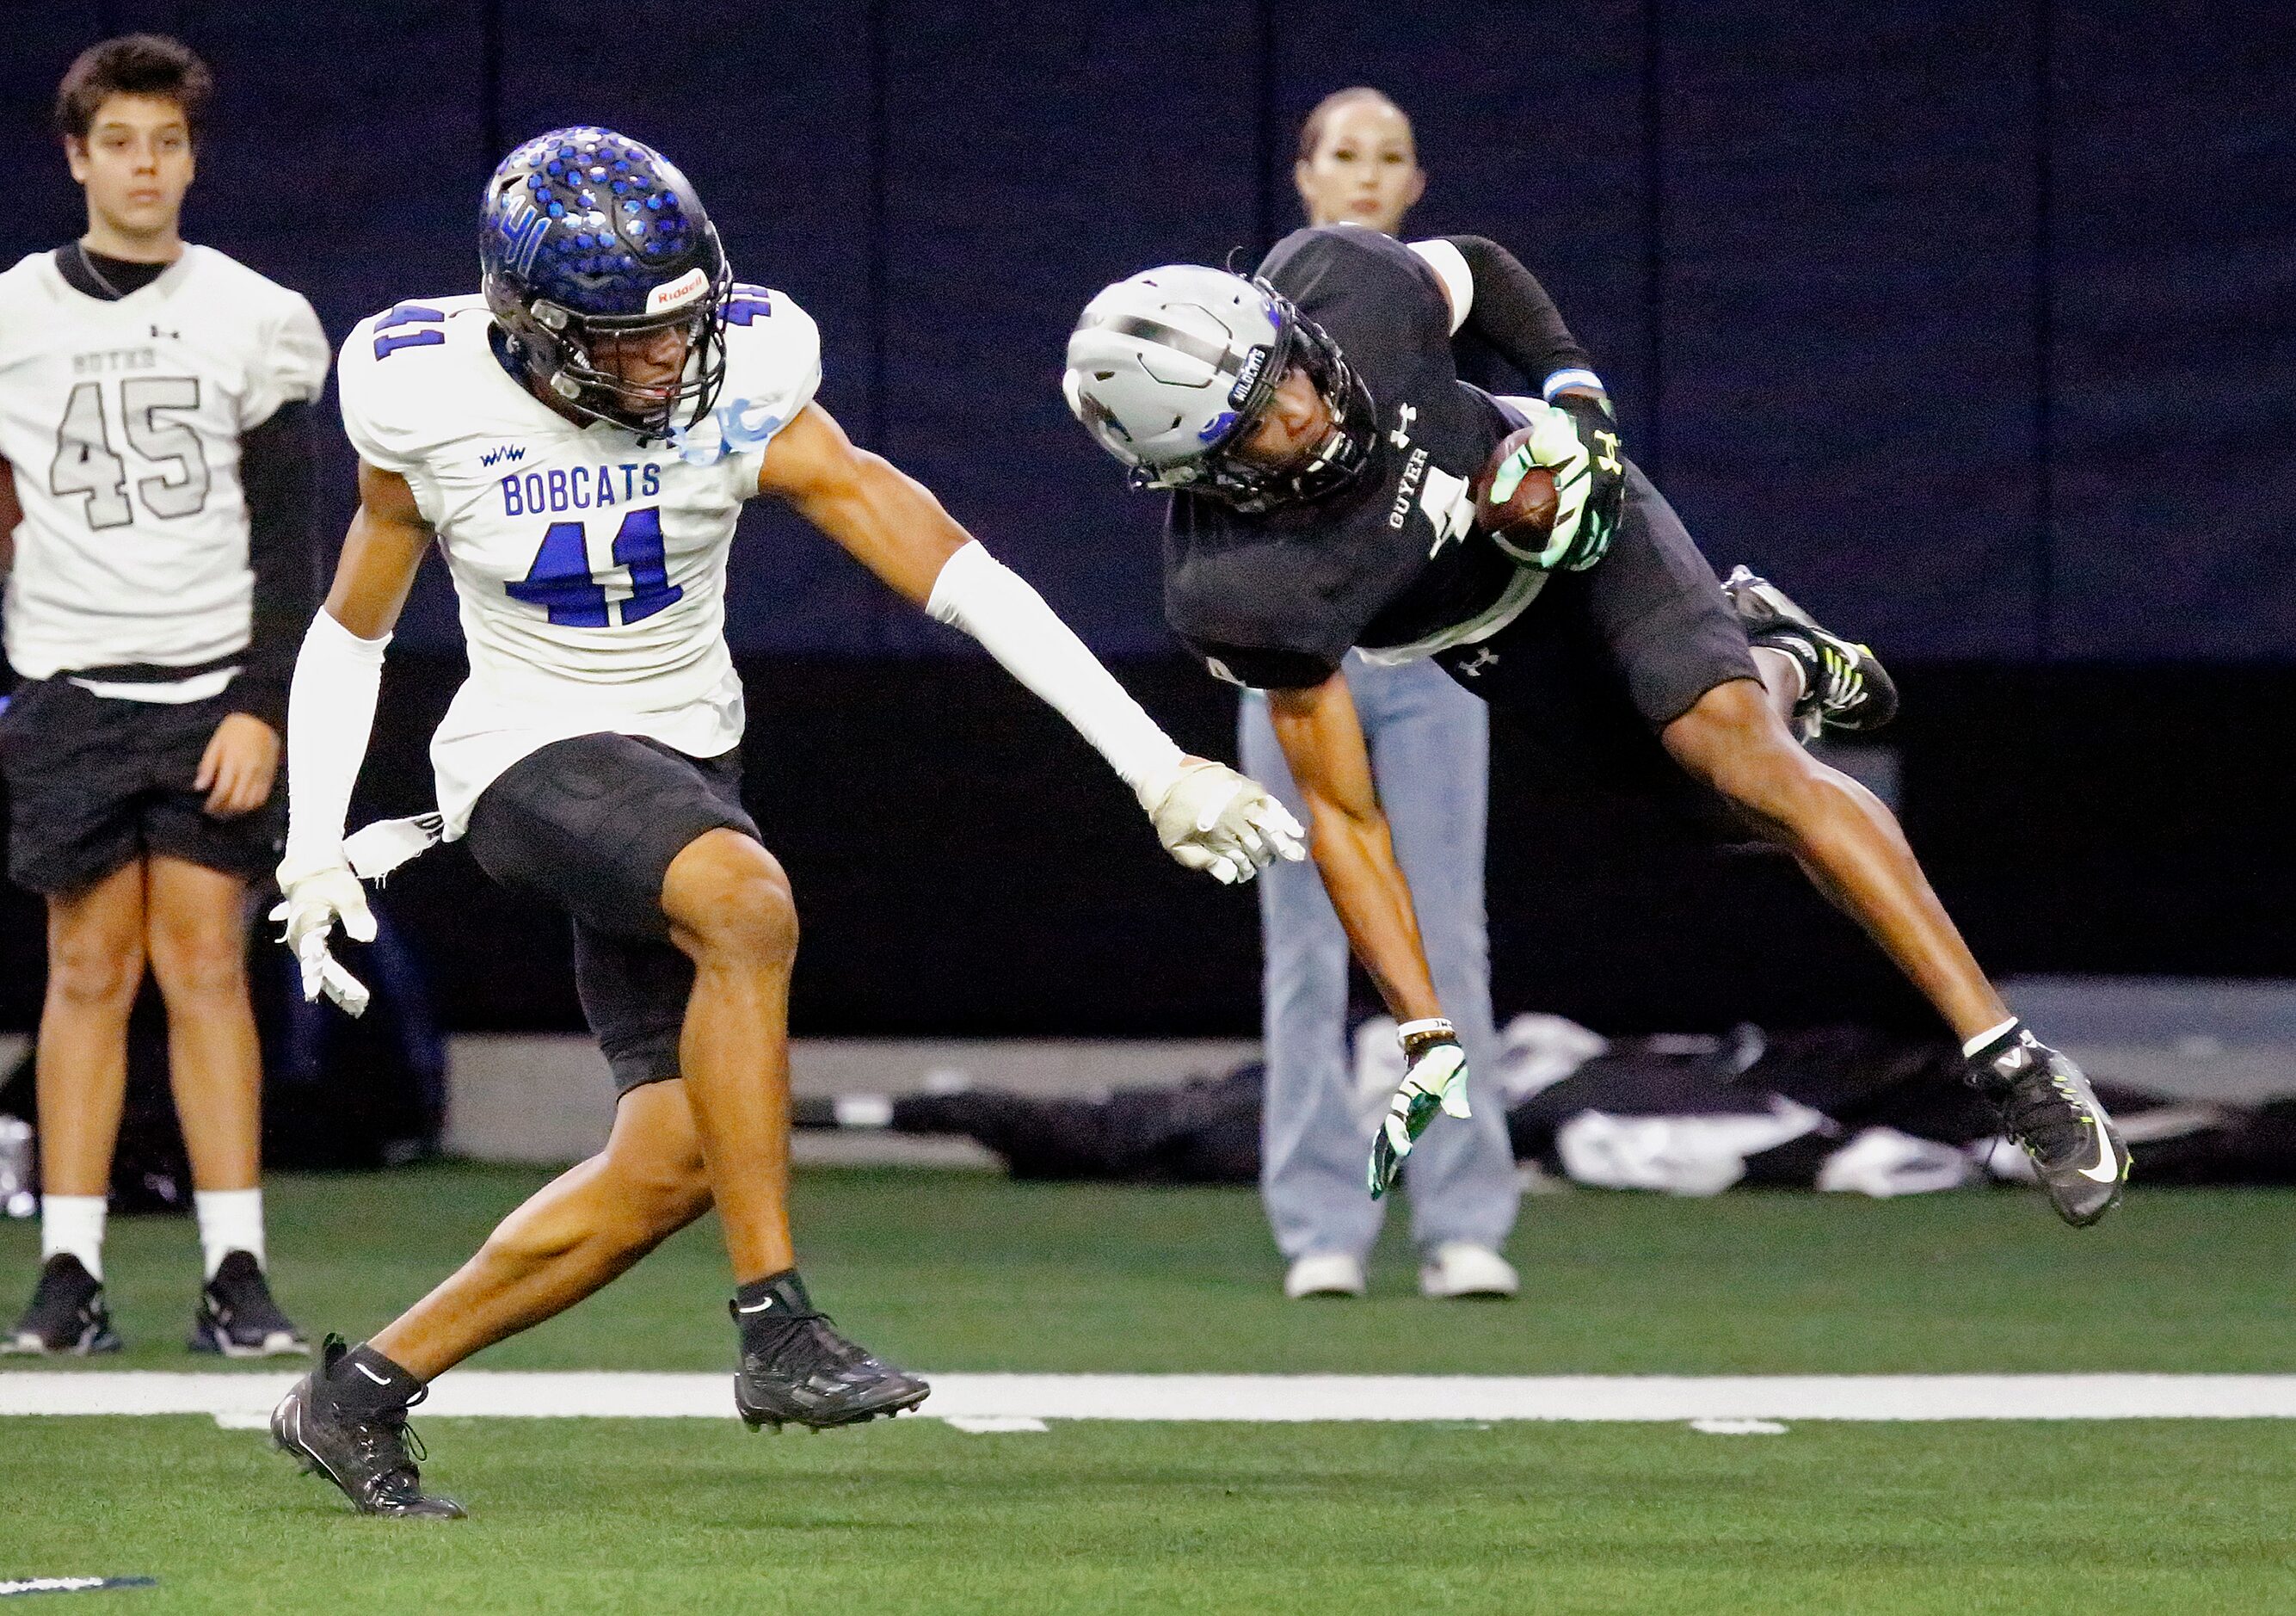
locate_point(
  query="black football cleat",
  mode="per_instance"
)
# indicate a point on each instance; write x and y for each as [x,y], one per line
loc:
[2047,1107]
[66,1316]
[371,1457]
[237,1317]
[804,1373]
[1844,685]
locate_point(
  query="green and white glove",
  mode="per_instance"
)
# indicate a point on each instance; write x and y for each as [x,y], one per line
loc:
[1575,438]
[1434,1078]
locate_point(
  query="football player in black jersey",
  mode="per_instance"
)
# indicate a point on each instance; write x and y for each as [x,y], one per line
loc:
[1322,456]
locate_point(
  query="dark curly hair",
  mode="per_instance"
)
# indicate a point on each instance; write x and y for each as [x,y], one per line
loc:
[134,64]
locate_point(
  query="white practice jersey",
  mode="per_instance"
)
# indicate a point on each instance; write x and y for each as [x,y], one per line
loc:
[589,564]
[122,421]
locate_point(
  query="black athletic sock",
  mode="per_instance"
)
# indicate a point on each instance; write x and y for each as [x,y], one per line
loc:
[364,1384]
[763,1308]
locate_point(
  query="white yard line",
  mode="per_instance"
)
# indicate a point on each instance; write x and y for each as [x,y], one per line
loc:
[482,1394]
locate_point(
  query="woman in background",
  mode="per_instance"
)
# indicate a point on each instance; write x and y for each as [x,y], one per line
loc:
[1430,743]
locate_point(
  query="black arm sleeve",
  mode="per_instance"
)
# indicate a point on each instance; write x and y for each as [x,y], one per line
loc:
[283,548]
[1513,313]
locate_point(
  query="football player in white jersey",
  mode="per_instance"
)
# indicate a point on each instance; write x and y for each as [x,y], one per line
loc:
[154,418]
[578,441]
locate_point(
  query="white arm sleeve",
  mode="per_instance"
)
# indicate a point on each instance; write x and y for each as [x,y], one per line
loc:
[1450,267]
[330,714]
[980,595]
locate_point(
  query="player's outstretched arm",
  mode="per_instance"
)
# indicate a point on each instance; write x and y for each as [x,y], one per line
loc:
[330,716]
[1206,815]
[1323,741]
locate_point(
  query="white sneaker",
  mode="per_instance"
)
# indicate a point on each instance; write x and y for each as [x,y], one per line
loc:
[1459,1267]
[1323,1274]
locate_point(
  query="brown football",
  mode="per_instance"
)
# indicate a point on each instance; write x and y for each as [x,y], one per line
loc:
[1528,517]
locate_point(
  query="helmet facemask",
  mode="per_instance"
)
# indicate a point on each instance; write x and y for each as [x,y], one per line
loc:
[556,347]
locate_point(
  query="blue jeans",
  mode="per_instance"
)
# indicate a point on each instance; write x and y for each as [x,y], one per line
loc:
[1430,745]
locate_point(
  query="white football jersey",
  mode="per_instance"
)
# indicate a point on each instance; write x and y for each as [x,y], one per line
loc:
[122,421]
[589,564]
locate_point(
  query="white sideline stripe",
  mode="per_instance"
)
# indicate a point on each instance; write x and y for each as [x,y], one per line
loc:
[1255,1397]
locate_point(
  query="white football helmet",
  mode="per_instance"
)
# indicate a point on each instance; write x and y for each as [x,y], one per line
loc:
[1167,369]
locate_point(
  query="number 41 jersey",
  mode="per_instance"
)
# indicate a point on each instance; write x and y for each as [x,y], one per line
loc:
[589,564]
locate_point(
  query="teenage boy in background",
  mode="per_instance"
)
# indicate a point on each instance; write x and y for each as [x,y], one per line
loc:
[154,422]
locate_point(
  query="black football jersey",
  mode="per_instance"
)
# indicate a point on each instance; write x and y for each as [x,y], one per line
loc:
[1275,599]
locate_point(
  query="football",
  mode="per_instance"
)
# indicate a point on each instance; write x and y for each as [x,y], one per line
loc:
[1527,515]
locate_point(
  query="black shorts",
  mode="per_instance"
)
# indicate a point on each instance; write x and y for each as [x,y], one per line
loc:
[593,823]
[1629,643]
[94,783]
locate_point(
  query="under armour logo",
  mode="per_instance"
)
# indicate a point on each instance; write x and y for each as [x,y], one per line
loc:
[1401,437]
[1608,442]
[172,336]
[1484,657]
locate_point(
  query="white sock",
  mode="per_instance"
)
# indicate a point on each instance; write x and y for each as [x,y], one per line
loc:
[230,1220]
[73,1223]
[1801,673]
[1985,1037]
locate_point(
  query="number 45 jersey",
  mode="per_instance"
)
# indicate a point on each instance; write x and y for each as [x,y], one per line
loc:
[122,421]
[589,564]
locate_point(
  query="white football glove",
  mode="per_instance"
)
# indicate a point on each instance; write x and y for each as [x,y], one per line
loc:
[1435,1078]
[1210,817]
[313,904]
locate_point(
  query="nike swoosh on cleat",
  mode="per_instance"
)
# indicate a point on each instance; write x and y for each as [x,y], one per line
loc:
[2108,1168]
[760,1308]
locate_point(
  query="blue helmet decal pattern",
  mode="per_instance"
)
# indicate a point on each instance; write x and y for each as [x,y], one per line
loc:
[590,217]
[585,232]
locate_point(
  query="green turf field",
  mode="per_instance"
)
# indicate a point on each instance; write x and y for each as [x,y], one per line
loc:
[956,1272]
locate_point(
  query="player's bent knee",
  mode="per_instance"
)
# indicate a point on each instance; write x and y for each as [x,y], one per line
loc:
[726,896]
[1732,740]
[656,1194]
[666,1201]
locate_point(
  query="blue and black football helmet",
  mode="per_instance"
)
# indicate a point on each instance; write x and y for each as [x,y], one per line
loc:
[585,232]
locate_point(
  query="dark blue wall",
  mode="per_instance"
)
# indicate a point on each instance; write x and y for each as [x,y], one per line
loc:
[1977,323]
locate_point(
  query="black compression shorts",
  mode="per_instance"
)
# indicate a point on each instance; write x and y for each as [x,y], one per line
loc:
[94,782]
[593,823]
[1639,637]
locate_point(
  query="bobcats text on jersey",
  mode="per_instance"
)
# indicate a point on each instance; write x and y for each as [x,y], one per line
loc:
[531,493]
[589,562]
